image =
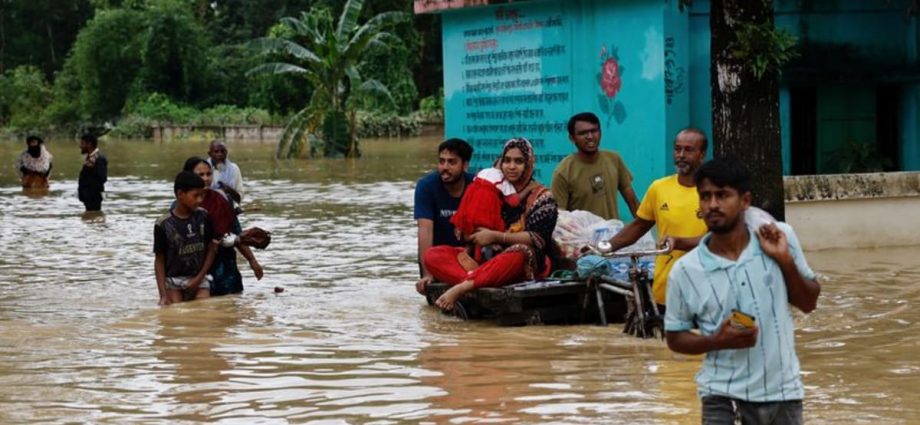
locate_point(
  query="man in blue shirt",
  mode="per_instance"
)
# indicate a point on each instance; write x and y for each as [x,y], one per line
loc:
[437,197]
[751,370]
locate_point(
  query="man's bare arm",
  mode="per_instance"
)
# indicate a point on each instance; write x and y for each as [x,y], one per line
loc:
[631,199]
[631,233]
[425,241]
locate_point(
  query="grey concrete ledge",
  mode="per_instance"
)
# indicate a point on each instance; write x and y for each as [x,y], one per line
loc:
[851,186]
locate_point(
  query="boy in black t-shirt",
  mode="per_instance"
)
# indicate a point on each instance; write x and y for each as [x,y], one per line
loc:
[183,244]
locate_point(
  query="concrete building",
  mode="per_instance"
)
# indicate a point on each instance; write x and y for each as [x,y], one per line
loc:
[521,68]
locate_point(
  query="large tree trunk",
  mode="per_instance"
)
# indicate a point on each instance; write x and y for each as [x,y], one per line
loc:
[745,110]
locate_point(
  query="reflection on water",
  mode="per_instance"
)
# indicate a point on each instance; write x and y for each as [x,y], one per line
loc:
[349,341]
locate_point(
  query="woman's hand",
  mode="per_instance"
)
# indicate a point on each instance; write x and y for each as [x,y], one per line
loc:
[484,237]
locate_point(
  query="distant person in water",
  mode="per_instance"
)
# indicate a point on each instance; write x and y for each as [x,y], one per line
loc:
[227,175]
[183,241]
[35,164]
[93,175]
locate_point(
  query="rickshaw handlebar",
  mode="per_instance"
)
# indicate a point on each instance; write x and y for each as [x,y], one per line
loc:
[603,249]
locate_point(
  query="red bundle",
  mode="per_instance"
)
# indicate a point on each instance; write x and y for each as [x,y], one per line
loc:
[481,206]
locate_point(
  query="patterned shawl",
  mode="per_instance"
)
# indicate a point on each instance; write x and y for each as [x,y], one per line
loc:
[40,165]
[536,216]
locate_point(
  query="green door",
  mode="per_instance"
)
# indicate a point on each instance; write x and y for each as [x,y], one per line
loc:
[846,127]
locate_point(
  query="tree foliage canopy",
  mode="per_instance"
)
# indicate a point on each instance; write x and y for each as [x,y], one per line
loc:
[101,59]
[328,53]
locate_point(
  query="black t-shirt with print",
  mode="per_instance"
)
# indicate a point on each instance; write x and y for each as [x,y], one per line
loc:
[183,241]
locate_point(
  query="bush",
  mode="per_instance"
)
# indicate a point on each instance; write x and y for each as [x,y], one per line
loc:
[235,115]
[432,107]
[159,107]
[140,117]
[388,125]
[24,96]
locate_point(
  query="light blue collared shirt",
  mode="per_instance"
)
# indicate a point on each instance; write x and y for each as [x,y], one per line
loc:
[704,288]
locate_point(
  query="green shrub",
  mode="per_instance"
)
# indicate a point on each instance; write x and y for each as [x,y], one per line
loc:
[432,107]
[24,96]
[159,107]
[388,125]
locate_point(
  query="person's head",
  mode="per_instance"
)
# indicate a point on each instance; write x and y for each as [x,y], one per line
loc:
[34,145]
[517,162]
[585,132]
[217,151]
[453,159]
[88,143]
[689,150]
[201,168]
[724,186]
[189,190]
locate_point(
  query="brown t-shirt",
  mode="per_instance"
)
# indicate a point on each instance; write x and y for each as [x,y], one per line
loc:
[591,186]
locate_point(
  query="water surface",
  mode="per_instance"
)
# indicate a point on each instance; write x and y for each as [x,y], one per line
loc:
[349,340]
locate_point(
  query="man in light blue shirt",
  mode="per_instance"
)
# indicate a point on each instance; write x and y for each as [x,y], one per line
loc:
[751,370]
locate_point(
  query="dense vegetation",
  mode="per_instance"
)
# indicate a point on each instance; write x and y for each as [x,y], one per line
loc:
[137,63]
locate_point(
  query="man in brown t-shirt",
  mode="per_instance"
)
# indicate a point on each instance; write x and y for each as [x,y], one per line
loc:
[590,178]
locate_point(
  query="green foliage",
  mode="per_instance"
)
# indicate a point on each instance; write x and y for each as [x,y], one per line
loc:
[158,109]
[432,107]
[24,96]
[39,32]
[142,62]
[388,125]
[105,63]
[763,48]
[171,48]
[328,54]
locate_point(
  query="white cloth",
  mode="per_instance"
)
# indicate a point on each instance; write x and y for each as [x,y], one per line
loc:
[39,165]
[227,173]
[494,175]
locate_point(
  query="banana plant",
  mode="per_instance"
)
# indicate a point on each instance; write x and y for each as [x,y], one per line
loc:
[328,54]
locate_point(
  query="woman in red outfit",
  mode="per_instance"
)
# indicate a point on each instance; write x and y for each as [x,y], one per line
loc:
[525,243]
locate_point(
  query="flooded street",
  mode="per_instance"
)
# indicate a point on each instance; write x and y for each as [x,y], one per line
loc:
[349,341]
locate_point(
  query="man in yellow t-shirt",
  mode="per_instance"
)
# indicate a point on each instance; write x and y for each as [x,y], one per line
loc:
[673,204]
[590,178]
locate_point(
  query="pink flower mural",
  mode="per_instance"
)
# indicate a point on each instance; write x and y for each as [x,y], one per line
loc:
[610,77]
[610,80]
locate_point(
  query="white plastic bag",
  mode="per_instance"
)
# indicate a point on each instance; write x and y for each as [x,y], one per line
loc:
[578,229]
[755,218]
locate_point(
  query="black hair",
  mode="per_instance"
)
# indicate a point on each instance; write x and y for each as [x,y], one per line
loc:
[91,139]
[193,162]
[725,171]
[32,137]
[699,133]
[459,147]
[186,181]
[582,116]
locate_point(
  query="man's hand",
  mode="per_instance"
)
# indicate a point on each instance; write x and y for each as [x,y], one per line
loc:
[256,268]
[422,285]
[485,237]
[733,337]
[773,242]
[193,284]
[667,241]
[164,301]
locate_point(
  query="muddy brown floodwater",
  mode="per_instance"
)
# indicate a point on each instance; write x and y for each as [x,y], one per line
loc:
[349,340]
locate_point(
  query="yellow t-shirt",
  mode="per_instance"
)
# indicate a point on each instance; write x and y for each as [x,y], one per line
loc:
[675,210]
